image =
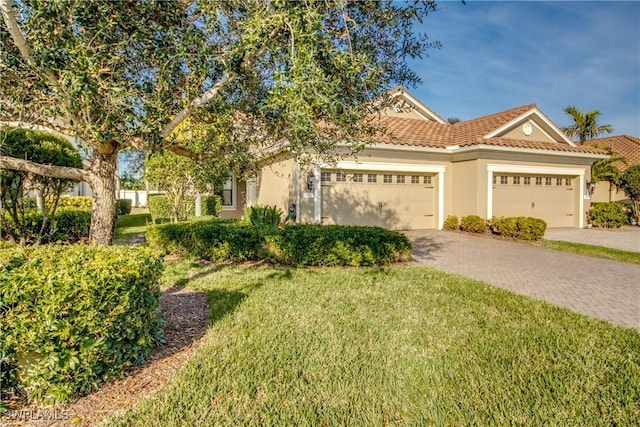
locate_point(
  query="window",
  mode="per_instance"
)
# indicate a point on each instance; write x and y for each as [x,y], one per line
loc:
[547,181]
[325,177]
[516,180]
[495,178]
[357,177]
[527,180]
[415,179]
[538,180]
[340,177]
[504,180]
[400,179]
[567,182]
[427,180]
[372,177]
[558,182]
[387,179]
[227,193]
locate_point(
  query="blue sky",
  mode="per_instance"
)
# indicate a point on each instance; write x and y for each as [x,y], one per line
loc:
[501,54]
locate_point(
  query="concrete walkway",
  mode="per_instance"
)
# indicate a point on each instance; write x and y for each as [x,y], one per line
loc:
[604,289]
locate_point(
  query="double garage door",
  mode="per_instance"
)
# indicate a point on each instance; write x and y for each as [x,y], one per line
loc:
[552,198]
[395,200]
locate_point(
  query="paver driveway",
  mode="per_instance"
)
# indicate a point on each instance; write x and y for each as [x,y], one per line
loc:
[605,289]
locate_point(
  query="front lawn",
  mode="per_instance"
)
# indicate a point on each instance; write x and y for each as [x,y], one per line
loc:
[131,228]
[592,250]
[406,346]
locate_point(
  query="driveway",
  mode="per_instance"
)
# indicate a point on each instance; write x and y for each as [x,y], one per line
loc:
[608,290]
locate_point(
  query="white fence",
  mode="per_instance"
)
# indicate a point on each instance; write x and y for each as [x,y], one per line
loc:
[138,197]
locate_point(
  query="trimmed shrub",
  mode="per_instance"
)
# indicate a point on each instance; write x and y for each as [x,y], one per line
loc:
[451,223]
[608,215]
[299,245]
[79,202]
[161,209]
[520,228]
[75,316]
[473,224]
[71,225]
[123,207]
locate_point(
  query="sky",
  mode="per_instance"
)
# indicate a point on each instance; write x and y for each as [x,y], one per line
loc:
[502,54]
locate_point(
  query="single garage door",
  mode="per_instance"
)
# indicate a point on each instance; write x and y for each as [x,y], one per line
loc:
[552,198]
[395,200]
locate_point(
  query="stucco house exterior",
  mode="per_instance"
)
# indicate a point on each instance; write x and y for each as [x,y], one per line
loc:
[510,163]
[621,145]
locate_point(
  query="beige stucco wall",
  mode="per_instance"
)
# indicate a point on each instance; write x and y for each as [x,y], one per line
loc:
[601,194]
[276,182]
[537,134]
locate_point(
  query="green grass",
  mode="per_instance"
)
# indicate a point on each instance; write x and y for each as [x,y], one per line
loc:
[402,346]
[130,227]
[591,250]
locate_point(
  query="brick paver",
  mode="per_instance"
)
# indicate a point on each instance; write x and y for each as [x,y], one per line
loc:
[605,289]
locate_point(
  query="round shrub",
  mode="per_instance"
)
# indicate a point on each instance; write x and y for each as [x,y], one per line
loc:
[608,215]
[75,316]
[451,223]
[473,224]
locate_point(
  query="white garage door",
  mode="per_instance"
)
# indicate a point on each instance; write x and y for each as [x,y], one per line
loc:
[395,200]
[552,198]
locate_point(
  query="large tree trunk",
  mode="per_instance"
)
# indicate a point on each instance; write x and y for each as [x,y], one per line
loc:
[103,184]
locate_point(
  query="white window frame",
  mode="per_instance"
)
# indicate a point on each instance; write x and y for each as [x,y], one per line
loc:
[234,195]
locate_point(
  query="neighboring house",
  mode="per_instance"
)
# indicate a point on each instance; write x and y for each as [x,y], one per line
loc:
[511,163]
[621,145]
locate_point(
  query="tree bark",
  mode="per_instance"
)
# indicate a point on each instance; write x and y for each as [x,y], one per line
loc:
[103,184]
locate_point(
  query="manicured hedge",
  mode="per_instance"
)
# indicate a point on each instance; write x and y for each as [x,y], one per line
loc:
[80,202]
[123,207]
[72,225]
[75,316]
[298,245]
[608,215]
[161,209]
[473,224]
[520,228]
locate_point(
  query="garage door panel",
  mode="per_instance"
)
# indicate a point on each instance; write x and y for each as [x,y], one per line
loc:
[553,201]
[394,204]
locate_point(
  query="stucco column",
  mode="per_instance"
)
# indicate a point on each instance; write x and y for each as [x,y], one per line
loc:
[298,184]
[198,206]
[252,191]
[489,195]
[440,200]
[317,195]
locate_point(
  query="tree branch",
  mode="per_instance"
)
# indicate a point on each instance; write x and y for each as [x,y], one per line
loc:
[18,38]
[62,172]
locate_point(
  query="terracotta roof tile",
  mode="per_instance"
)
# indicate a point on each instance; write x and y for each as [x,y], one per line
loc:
[422,133]
[623,145]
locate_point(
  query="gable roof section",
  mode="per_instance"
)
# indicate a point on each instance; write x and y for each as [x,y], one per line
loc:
[623,145]
[418,106]
[482,131]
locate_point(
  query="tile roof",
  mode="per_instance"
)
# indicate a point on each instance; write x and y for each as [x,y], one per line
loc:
[623,145]
[422,133]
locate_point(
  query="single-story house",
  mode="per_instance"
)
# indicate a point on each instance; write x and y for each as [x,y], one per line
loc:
[510,163]
[621,145]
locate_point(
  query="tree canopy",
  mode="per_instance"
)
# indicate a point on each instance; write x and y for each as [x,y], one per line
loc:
[126,74]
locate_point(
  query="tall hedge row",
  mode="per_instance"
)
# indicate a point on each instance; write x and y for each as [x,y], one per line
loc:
[75,316]
[161,209]
[298,245]
[71,225]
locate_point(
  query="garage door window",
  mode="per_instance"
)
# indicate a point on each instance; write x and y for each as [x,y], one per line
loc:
[325,177]
[538,180]
[527,180]
[504,180]
[372,177]
[415,179]
[357,177]
[547,181]
[340,177]
[567,182]
[516,180]
[400,179]
[387,179]
[427,180]
[559,182]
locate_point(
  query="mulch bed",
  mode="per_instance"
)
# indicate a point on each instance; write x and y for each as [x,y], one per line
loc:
[187,314]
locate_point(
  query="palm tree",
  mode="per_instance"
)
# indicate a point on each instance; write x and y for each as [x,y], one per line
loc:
[585,125]
[607,170]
